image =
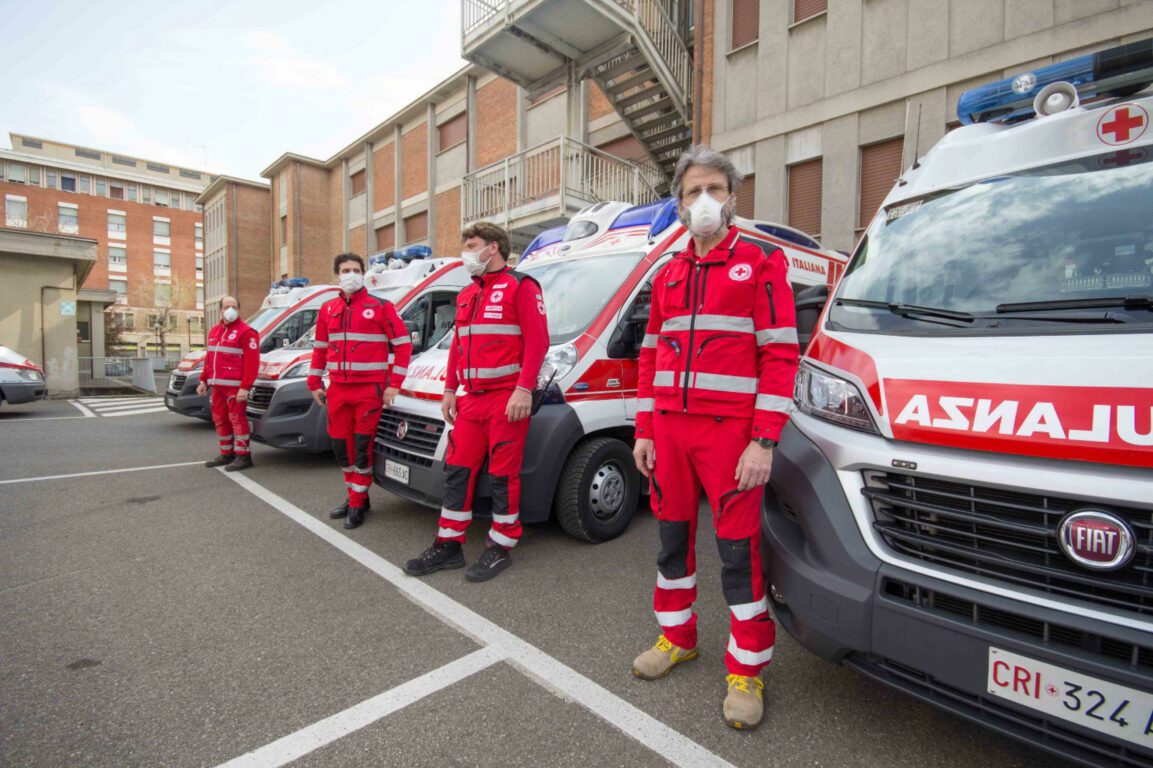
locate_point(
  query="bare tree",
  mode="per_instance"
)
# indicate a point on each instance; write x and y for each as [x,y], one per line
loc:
[167,297]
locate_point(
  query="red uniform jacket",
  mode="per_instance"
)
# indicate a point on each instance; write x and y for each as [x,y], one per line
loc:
[721,339]
[501,334]
[360,339]
[233,355]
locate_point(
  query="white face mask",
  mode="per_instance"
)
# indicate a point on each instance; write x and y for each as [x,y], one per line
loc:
[473,263]
[706,215]
[351,282]
[230,315]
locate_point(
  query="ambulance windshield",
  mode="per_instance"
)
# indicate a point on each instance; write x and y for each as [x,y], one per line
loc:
[576,290]
[261,319]
[1068,245]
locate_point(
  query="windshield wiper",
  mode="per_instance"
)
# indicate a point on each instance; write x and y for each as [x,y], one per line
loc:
[1127,302]
[911,310]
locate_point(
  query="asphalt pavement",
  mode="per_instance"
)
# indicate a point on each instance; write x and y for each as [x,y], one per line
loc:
[159,613]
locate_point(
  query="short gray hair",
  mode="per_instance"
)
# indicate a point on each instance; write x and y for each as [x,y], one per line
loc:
[706,156]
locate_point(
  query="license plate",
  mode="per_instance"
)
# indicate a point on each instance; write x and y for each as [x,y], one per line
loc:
[1117,710]
[396,471]
[168,401]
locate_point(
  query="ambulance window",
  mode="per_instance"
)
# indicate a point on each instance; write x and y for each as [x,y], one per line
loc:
[625,343]
[415,317]
[443,314]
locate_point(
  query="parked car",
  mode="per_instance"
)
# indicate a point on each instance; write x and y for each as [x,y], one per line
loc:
[21,380]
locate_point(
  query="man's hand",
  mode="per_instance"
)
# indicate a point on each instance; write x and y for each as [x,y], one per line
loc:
[390,395]
[754,467]
[242,395]
[202,389]
[644,454]
[519,405]
[318,396]
[448,408]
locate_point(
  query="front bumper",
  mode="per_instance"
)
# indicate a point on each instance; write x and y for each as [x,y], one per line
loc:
[24,391]
[925,635]
[291,419]
[180,397]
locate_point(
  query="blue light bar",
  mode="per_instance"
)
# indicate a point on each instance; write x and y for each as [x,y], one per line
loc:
[413,252]
[291,282]
[788,235]
[382,257]
[544,240]
[639,215]
[664,218]
[1121,70]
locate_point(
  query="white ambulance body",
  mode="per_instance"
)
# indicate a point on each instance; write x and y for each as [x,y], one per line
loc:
[578,463]
[962,506]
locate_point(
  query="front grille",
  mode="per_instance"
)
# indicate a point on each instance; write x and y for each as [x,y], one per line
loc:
[260,397]
[420,440]
[176,384]
[1006,535]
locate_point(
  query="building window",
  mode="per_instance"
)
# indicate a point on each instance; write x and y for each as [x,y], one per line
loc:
[161,197]
[199,265]
[101,188]
[161,228]
[747,197]
[32,143]
[87,153]
[199,298]
[163,296]
[117,258]
[117,225]
[283,230]
[416,227]
[161,262]
[386,237]
[454,132]
[128,320]
[85,185]
[124,161]
[67,183]
[120,285]
[15,211]
[146,194]
[68,219]
[358,182]
[157,168]
[50,179]
[200,236]
[130,190]
[807,9]
[16,173]
[116,190]
[746,23]
[880,168]
[805,197]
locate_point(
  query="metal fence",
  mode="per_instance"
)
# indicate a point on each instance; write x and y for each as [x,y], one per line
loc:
[120,373]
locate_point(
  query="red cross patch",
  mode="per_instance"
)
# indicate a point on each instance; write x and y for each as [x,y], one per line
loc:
[1123,124]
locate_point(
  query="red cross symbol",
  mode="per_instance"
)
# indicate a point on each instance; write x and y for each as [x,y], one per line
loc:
[1123,158]
[1123,124]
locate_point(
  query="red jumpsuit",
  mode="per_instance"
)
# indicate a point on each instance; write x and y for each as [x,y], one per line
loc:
[231,363]
[499,344]
[716,370]
[363,344]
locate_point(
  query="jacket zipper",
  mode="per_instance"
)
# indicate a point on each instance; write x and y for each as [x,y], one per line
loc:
[772,306]
[471,322]
[697,268]
[705,343]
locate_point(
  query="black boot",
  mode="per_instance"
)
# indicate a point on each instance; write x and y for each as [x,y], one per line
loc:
[242,461]
[355,517]
[221,460]
[494,560]
[441,556]
[342,510]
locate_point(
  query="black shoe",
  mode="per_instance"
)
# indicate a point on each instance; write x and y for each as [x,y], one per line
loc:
[494,560]
[342,510]
[242,461]
[441,556]
[221,460]
[355,517]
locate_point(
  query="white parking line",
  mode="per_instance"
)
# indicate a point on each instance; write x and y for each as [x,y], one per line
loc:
[111,400]
[101,472]
[83,410]
[561,679]
[135,412]
[313,737]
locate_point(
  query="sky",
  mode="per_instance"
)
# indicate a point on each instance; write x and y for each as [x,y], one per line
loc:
[215,86]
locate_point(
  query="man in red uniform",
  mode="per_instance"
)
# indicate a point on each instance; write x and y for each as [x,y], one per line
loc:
[499,344]
[230,365]
[716,378]
[363,344]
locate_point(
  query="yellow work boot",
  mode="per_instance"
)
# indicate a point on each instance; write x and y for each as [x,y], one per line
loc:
[744,706]
[659,660]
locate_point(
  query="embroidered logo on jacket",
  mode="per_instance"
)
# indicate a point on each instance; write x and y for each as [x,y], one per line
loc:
[740,272]
[368,313]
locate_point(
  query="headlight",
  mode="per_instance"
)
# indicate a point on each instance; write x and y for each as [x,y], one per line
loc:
[29,375]
[557,363]
[297,371]
[832,399]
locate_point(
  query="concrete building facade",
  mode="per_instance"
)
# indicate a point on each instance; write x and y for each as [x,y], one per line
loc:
[144,219]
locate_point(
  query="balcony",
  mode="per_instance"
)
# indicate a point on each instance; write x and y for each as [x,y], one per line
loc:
[542,187]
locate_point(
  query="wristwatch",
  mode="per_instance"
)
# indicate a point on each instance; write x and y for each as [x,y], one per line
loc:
[765,442]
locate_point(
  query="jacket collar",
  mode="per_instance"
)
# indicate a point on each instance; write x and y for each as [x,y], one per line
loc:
[491,277]
[720,252]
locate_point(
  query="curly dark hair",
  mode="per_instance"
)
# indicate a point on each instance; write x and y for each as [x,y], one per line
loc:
[490,233]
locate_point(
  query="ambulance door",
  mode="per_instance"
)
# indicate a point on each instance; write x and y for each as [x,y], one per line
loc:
[430,317]
[624,343]
[289,330]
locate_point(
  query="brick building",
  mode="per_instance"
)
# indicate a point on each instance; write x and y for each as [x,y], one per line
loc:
[237,232]
[146,224]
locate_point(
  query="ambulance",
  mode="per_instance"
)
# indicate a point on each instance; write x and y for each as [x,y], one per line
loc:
[289,311]
[961,506]
[578,463]
[281,410]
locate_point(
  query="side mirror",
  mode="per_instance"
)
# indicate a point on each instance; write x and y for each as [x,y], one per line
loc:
[809,303]
[413,328]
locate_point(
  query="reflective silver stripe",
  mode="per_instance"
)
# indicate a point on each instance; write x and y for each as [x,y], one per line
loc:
[720,382]
[686,582]
[709,323]
[349,468]
[225,382]
[315,371]
[400,340]
[774,403]
[227,350]
[645,404]
[460,517]
[505,519]
[365,471]
[320,345]
[650,341]
[337,365]
[751,658]
[448,533]
[362,337]
[500,538]
[749,611]
[665,378]
[495,329]
[777,336]
[492,373]
[673,618]
[400,371]
[358,488]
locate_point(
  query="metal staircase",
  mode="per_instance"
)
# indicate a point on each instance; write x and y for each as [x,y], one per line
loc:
[631,48]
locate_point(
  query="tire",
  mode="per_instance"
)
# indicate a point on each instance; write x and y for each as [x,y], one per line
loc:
[598,490]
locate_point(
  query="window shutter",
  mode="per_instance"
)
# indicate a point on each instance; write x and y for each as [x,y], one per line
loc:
[804,9]
[747,197]
[358,182]
[416,227]
[880,167]
[386,237]
[805,197]
[746,22]
[453,132]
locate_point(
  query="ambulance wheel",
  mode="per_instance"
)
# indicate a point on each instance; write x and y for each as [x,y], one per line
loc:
[598,490]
